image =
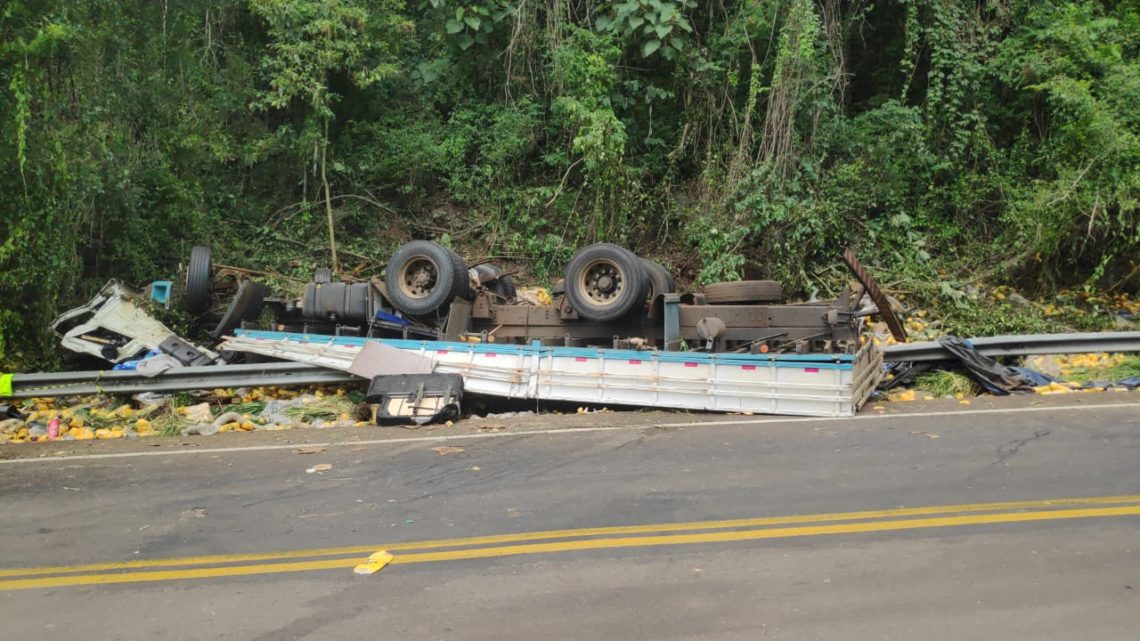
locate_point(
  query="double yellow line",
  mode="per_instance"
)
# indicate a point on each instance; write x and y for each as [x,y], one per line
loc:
[552,541]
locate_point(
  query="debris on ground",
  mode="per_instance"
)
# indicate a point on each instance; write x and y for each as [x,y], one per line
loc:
[975,374]
[375,562]
[102,417]
[503,415]
[332,411]
[535,295]
[987,372]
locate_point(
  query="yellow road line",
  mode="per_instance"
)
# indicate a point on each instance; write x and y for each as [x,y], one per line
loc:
[576,533]
[173,575]
[585,544]
[771,533]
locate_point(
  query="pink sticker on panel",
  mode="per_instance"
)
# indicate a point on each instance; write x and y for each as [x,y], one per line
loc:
[748,368]
[690,364]
[634,361]
[811,370]
[581,359]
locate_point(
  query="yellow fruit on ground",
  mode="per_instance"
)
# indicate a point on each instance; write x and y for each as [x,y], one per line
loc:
[247,426]
[84,434]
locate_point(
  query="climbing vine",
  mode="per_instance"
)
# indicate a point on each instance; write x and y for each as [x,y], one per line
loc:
[945,140]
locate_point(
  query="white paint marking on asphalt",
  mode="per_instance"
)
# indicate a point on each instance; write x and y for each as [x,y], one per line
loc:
[563,430]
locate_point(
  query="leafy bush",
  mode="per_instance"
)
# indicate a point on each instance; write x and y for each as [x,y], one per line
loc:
[945,141]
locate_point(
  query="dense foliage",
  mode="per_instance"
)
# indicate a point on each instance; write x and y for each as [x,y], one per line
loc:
[944,139]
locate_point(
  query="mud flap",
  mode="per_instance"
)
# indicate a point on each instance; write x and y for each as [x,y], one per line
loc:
[415,398]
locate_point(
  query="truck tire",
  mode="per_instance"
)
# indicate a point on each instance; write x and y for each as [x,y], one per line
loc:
[502,285]
[605,282]
[423,277]
[744,291]
[197,295]
[462,278]
[660,280]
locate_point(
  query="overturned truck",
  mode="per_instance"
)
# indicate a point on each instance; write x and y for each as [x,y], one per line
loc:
[608,298]
[614,332]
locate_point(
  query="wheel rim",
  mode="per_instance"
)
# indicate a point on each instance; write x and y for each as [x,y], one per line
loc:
[419,277]
[602,282]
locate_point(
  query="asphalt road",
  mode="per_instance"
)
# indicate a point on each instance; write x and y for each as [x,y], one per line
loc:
[1019,521]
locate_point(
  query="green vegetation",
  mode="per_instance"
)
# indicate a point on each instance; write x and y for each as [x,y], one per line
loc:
[1111,369]
[329,408]
[949,142]
[941,383]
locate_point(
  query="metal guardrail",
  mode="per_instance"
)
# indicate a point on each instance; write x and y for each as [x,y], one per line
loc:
[1081,343]
[174,380]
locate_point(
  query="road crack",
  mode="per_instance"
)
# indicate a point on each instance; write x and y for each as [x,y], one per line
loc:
[1006,451]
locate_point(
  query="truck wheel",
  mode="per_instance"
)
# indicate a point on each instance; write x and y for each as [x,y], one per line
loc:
[502,285]
[605,282]
[197,296]
[660,280]
[744,291]
[422,277]
[462,278]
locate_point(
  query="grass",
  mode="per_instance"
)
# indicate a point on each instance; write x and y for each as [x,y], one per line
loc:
[328,408]
[240,408]
[1126,368]
[942,383]
[170,424]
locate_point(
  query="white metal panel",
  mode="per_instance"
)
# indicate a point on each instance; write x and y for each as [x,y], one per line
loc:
[620,377]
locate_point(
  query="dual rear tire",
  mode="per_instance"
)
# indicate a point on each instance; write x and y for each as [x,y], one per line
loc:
[424,277]
[605,282]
